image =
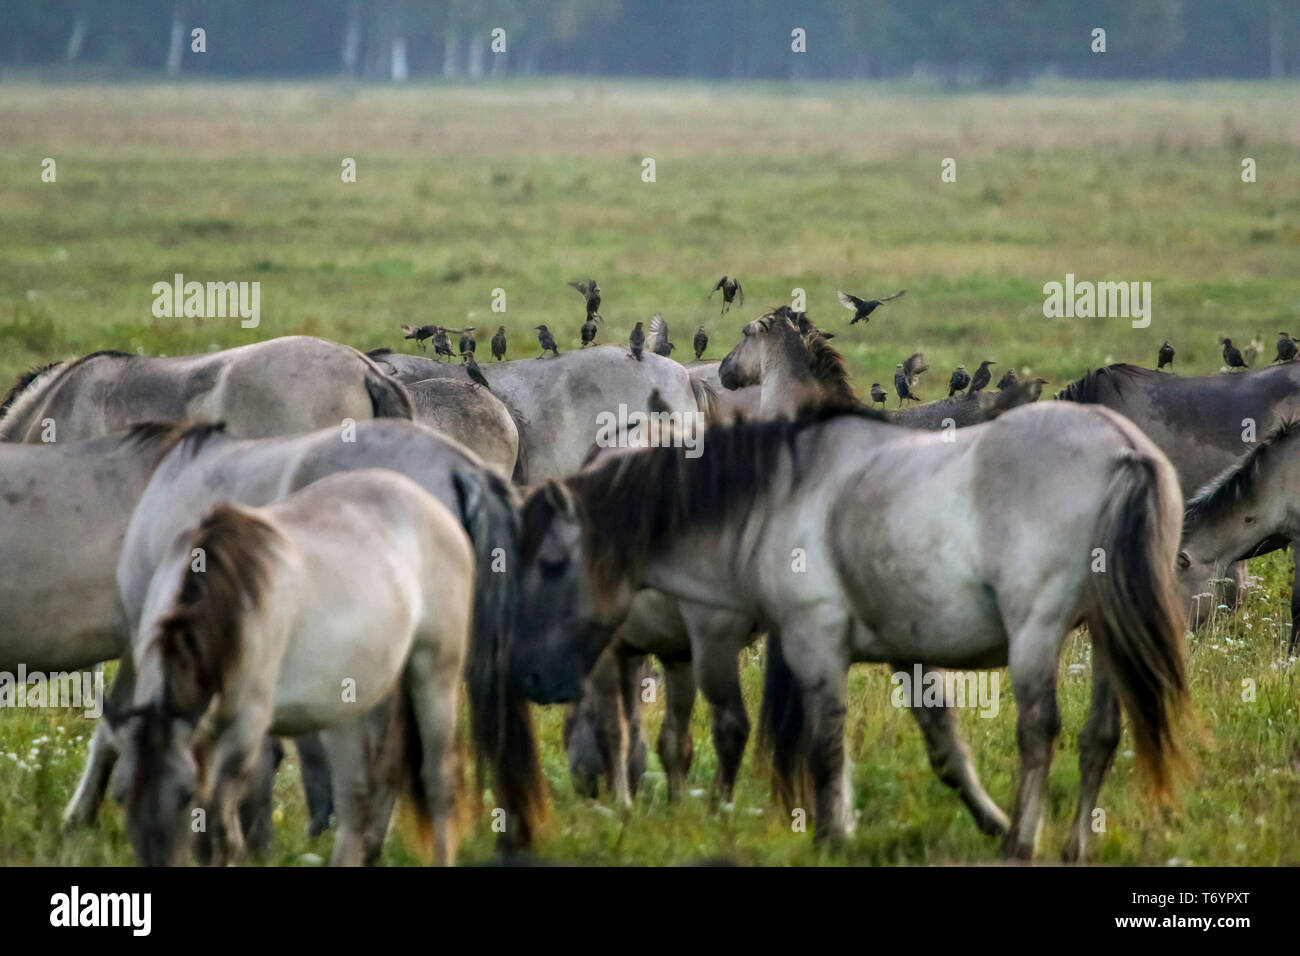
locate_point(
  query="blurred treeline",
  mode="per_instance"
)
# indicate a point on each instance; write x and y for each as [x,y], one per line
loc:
[949,42]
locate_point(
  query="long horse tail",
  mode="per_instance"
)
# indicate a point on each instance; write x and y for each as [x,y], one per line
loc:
[1134,614]
[388,397]
[781,727]
[501,722]
[201,638]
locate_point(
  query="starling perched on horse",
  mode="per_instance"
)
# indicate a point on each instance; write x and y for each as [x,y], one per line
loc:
[591,292]
[1165,356]
[499,343]
[467,343]
[1232,355]
[475,374]
[862,308]
[657,340]
[636,340]
[958,381]
[1009,379]
[731,291]
[902,386]
[982,375]
[589,329]
[878,394]
[441,343]
[1286,347]
[420,334]
[547,341]
[701,343]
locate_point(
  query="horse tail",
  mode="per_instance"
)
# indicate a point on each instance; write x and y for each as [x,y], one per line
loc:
[201,638]
[706,399]
[501,722]
[781,726]
[388,397]
[1134,614]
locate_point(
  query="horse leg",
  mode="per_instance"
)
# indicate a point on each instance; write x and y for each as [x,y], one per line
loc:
[1033,667]
[717,639]
[1097,743]
[432,684]
[950,758]
[256,807]
[631,666]
[350,776]
[817,652]
[675,746]
[315,771]
[84,805]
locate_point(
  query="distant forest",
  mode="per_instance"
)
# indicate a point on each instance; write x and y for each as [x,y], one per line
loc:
[954,43]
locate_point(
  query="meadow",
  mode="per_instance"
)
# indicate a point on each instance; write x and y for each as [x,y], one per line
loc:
[461,191]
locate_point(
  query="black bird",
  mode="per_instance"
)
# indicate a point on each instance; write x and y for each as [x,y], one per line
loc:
[701,343]
[958,381]
[878,394]
[1232,355]
[637,341]
[547,341]
[913,366]
[658,338]
[591,292]
[499,343]
[441,344]
[589,331]
[1009,379]
[475,374]
[731,290]
[1035,388]
[467,343]
[1165,356]
[420,334]
[901,385]
[1286,348]
[862,308]
[982,375]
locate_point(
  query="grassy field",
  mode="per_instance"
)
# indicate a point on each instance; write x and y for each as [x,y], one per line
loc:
[460,192]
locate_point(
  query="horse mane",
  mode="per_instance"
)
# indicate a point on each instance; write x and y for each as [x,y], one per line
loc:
[827,366]
[34,382]
[24,379]
[1087,390]
[167,435]
[201,638]
[379,352]
[1239,479]
[637,503]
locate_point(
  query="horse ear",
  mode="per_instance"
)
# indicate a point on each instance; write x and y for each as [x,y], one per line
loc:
[558,497]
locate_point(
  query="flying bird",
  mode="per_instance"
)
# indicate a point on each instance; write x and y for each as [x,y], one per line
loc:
[958,381]
[499,343]
[902,386]
[1165,356]
[657,340]
[878,394]
[982,375]
[475,374]
[862,308]
[1232,355]
[1009,379]
[731,291]
[420,334]
[701,343]
[547,341]
[913,366]
[1286,347]
[589,331]
[637,342]
[591,292]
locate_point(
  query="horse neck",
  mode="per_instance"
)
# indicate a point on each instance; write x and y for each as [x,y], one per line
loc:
[785,376]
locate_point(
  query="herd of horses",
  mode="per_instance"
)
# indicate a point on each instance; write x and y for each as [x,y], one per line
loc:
[295,539]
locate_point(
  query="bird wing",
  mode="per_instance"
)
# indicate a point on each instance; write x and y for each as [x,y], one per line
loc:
[891,298]
[718,286]
[914,365]
[658,333]
[581,287]
[850,302]
[740,294]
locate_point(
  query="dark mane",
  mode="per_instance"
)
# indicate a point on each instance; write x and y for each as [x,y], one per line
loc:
[25,379]
[1087,390]
[1238,481]
[379,352]
[827,365]
[167,435]
[638,502]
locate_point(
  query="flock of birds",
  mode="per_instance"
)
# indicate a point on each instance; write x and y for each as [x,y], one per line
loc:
[1234,357]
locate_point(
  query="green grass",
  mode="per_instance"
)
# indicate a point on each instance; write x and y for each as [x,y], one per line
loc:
[463,191]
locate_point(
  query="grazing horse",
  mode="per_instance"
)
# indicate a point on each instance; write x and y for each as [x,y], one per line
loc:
[1248,510]
[206,467]
[304,616]
[285,385]
[812,528]
[1203,424]
[559,405]
[63,513]
[793,370]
